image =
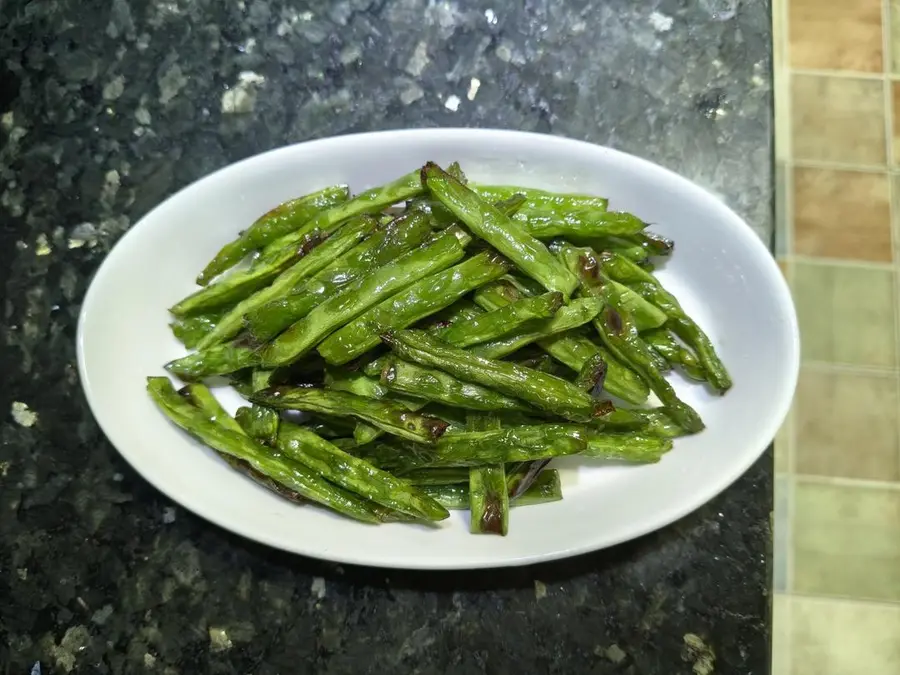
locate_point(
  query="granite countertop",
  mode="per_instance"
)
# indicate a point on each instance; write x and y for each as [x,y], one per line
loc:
[108,107]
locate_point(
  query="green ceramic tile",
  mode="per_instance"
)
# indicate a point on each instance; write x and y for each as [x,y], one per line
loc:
[846,313]
[839,637]
[781,634]
[783,443]
[782,535]
[782,221]
[846,425]
[846,541]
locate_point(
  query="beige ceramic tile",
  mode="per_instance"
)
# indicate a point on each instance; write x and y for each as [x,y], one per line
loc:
[895,34]
[781,85]
[837,637]
[783,446]
[836,35]
[842,214]
[781,634]
[846,313]
[895,105]
[837,119]
[846,541]
[846,425]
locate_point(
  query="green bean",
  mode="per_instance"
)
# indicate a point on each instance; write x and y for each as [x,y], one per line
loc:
[571,350]
[216,360]
[241,284]
[521,475]
[358,296]
[592,375]
[363,385]
[291,475]
[203,398]
[645,314]
[190,330]
[488,498]
[368,202]
[287,217]
[545,489]
[343,239]
[676,354]
[654,244]
[520,444]
[391,417]
[434,385]
[543,391]
[419,300]
[398,237]
[259,422]
[546,364]
[356,475]
[575,314]
[536,197]
[461,310]
[330,427]
[487,326]
[454,475]
[678,321]
[550,222]
[652,422]
[685,328]
[620,336]
[526,252]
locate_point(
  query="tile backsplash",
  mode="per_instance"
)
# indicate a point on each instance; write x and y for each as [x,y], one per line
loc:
[837,458]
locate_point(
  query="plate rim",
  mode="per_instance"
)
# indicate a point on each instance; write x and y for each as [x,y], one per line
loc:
[699,498]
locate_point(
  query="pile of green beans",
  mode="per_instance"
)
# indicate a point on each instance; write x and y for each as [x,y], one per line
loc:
[443,340]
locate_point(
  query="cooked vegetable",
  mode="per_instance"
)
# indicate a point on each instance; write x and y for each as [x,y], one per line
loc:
[423,298]
[346,237]
[190,330]
[685,328]
[488,498]
[620,336]
[356,475]
[522,475]
[401,235]
[391,376]
[392,418]
[283,219]
[543,391]
[446,249]
[520,444]
[676,354]
[571,316]
[487,326]
[569,348]
[239,285]
[291,475]
[368,202]
[487,222]
[545,489]
[434,385]
[259,422]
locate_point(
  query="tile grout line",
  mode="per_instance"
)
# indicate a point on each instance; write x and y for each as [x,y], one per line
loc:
[844,166]
[841,74]
[787,134]
[846,599]
[851,369]
[843,482]
[889,112]
[844,262]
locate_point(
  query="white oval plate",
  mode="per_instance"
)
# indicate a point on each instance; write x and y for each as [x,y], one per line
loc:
[722,273]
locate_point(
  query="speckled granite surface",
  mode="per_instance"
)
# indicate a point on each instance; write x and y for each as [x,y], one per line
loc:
[110,105]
